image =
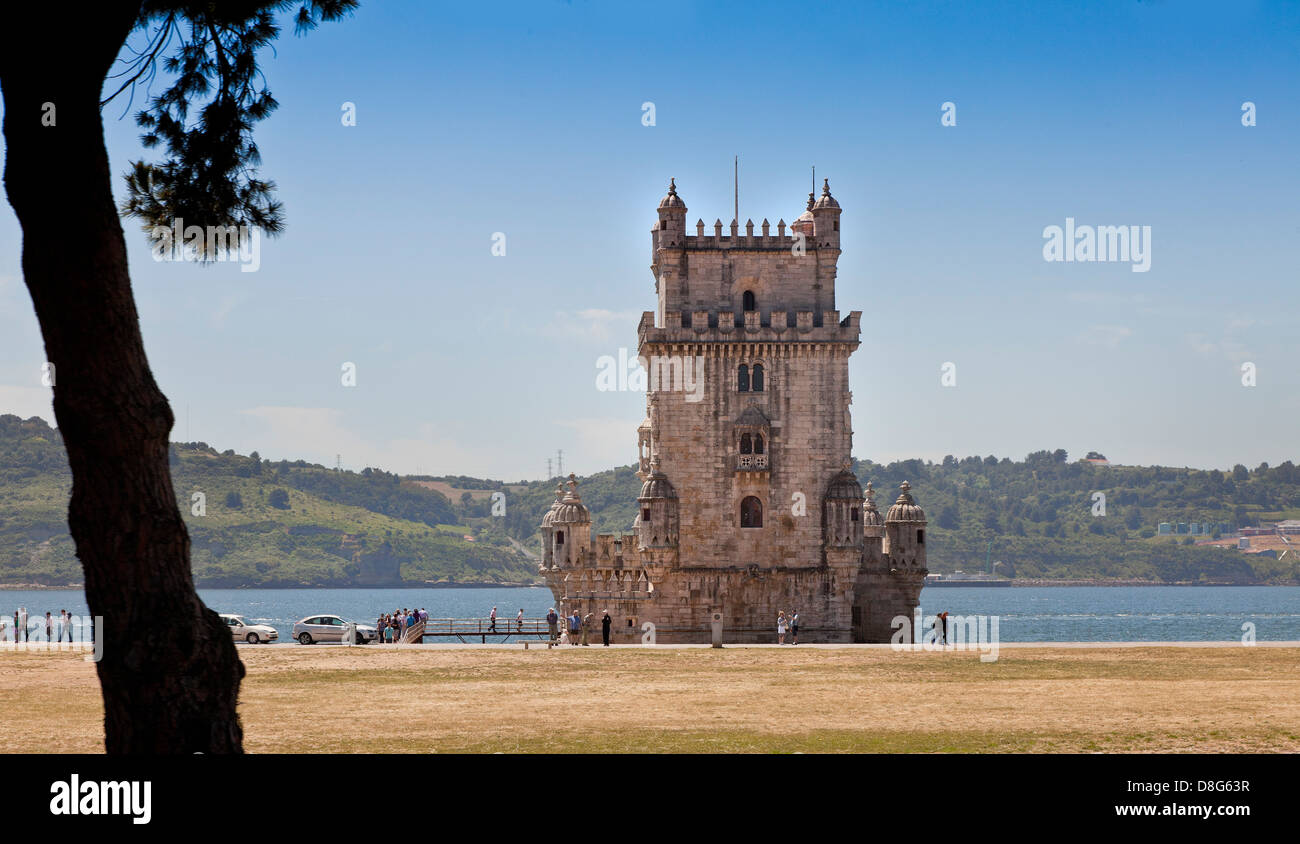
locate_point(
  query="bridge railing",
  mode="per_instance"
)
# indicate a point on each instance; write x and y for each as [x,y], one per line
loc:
[480,627]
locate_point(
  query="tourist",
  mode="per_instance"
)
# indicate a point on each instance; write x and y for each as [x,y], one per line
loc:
[944,616]
[424,615]
[794,628]
[49,627]
[391,631]
[380,626]
[575,627]
[586,628]
[780,627]
[492,627]
[16,627]
[22,624]
[552,622]
[401,624]
[605,624]
[519,620]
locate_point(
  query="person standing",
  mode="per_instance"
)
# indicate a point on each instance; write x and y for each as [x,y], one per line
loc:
[794,628]
[944,616]
[552,622]
[519,620]
[380,626]
[22,623]
[605,624]
[575,627]
[49,627]
[492,627]
[780,627]
[16,628]
[586,628]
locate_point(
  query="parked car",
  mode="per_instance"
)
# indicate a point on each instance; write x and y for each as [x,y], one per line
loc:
[250,633]
[332,628]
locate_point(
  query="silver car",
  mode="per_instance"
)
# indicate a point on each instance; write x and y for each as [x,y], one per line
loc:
[250,633]
[332,628]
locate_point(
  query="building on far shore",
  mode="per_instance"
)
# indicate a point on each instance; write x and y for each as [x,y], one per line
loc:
[749,505]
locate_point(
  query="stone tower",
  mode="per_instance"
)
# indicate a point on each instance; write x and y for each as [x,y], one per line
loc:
[749,505]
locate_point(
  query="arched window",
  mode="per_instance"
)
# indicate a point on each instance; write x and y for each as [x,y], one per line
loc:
[853,515]
[751,513]
[758,443]
[758,378]
[742,379]
[748,300]
[559,537]
[920,537]
[746,447]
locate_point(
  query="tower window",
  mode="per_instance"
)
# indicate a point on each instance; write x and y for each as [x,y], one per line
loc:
[559,537]
[758,443]
[758,378]
[742,379]
[746,444]
[645,514]
[748,301]
[751,513]
[920,537]
[853,514]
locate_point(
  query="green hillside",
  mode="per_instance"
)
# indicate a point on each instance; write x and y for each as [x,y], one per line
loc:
[288,524]
[257,523]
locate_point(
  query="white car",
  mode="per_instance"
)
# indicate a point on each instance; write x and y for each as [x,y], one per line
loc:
[250,633]
[333,628]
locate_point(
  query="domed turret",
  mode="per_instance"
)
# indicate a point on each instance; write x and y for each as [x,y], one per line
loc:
[657,522]
[842,511]
[905,533]
[826,218]
[571,528]
[804,222]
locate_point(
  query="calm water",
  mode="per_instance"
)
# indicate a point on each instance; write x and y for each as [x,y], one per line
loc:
[1034,614]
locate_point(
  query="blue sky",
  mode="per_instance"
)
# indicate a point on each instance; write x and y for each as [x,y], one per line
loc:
[525,119]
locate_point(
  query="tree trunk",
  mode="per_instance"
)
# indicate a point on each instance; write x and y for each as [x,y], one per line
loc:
[170,674]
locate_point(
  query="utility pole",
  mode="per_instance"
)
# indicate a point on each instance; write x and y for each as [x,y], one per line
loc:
[559,456]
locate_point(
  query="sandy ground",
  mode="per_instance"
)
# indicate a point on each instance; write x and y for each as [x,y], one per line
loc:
[439,699]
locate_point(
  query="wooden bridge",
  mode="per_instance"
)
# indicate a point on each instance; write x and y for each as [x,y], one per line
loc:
[480,628]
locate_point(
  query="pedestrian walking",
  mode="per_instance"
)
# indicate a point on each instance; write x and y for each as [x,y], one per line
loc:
[944,616]
[780,627]
[794,628]
[519,620]
[492,627]
[552,623]
[605,624]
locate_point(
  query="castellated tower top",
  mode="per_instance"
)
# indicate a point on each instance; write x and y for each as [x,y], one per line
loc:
[755,277]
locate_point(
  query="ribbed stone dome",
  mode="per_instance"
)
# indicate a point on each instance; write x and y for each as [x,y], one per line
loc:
[571,511]
[905,509]
[844,486]
[826,200]
[672,200]
[657,484]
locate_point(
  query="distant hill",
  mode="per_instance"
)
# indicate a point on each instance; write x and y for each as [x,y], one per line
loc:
[262,523]
[299,524]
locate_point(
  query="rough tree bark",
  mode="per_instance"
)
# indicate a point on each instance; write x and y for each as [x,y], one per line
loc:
[170,674]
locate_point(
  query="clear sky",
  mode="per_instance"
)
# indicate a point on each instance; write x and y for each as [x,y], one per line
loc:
[526,119]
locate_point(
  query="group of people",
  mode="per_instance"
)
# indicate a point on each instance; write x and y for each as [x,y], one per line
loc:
[492,622]
[788,623]
[393,626]
[577,628]
[60,627]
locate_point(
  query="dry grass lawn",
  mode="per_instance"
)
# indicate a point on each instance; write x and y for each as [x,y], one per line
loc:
[347,700]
